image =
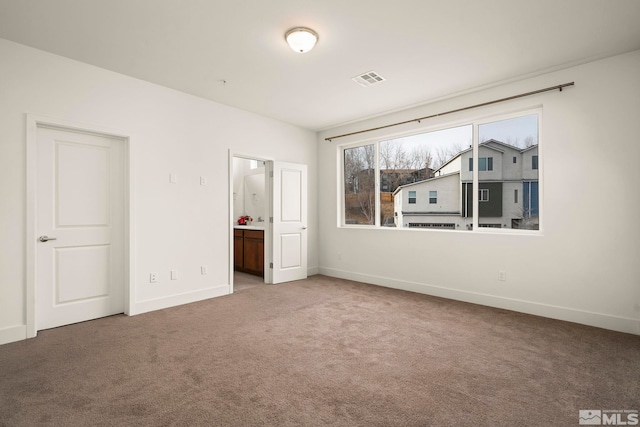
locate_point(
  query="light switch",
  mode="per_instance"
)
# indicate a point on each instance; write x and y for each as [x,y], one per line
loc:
[174,274]
[173,178]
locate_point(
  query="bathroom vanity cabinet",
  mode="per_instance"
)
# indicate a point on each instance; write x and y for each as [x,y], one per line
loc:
[248,251]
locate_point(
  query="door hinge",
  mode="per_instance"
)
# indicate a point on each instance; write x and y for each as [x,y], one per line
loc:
[271,219]
[271,174]
[270,265]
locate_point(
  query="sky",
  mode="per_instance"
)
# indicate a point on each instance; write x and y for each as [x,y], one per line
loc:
[518,129]
[513,131]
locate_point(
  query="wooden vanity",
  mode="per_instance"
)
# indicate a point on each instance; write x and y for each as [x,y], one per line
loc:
[248,250]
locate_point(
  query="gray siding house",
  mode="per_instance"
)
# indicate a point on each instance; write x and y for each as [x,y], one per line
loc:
[508,191]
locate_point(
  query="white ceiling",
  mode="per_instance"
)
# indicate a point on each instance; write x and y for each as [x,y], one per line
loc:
[426,49]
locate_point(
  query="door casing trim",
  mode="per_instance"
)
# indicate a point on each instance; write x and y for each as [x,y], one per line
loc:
[268,199]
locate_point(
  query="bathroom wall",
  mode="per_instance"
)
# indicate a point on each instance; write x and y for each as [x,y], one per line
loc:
[248,189]
[254,203]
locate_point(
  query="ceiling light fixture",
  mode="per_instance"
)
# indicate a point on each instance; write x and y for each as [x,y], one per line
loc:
[301,39]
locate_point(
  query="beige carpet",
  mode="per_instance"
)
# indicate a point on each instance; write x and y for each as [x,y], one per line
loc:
[318,352]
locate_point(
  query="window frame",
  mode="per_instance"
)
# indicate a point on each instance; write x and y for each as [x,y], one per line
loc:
[415,197]
[488,164]
[433,200]
[475,122]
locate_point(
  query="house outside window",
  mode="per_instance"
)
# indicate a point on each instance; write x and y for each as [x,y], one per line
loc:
[433,197]
[412,197]
[534,162]
[483,195]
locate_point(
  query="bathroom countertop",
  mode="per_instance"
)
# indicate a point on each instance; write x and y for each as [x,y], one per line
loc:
[249,227]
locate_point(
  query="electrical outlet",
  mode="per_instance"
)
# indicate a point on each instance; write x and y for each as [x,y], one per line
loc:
[153,277]
[203,180]
[174,274]
[203,270]
[502,275]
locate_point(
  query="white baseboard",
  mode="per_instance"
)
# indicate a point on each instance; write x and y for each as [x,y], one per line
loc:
[313,271]
[174,300]
[19,333]
[13,333]
[600,320]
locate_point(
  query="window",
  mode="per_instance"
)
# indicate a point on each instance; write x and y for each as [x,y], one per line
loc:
[518,133]
[416,159]
[433,197]
[484,164]
[382,179]
[359,185]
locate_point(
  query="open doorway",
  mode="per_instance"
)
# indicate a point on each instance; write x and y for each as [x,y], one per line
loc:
[268,221]
[249,219]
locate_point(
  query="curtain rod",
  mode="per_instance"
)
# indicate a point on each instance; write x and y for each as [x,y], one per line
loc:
[558,87]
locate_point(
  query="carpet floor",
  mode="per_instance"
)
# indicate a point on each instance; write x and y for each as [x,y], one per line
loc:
[318,352]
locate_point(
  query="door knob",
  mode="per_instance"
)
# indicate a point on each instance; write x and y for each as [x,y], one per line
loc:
[46,238]
[304,228]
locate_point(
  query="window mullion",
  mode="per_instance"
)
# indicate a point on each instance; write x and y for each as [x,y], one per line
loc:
[378,211]
[475,175]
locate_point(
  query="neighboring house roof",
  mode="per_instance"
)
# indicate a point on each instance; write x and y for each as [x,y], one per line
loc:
[403,170]
[471,148]
[485,144]
[451,160]
[425,180]
[504,144]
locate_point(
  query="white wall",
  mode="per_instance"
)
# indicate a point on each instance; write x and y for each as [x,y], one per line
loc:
[240,169]
[583,268]
[178,226]
[246,183]
[254,203]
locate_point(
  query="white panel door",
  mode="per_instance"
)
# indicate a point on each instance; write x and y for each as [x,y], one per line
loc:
[80,227]
[289,222]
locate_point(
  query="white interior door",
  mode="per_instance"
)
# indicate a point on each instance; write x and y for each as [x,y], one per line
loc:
[289,234]
[80,227]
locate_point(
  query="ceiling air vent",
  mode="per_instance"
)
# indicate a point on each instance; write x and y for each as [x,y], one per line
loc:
[368,79]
